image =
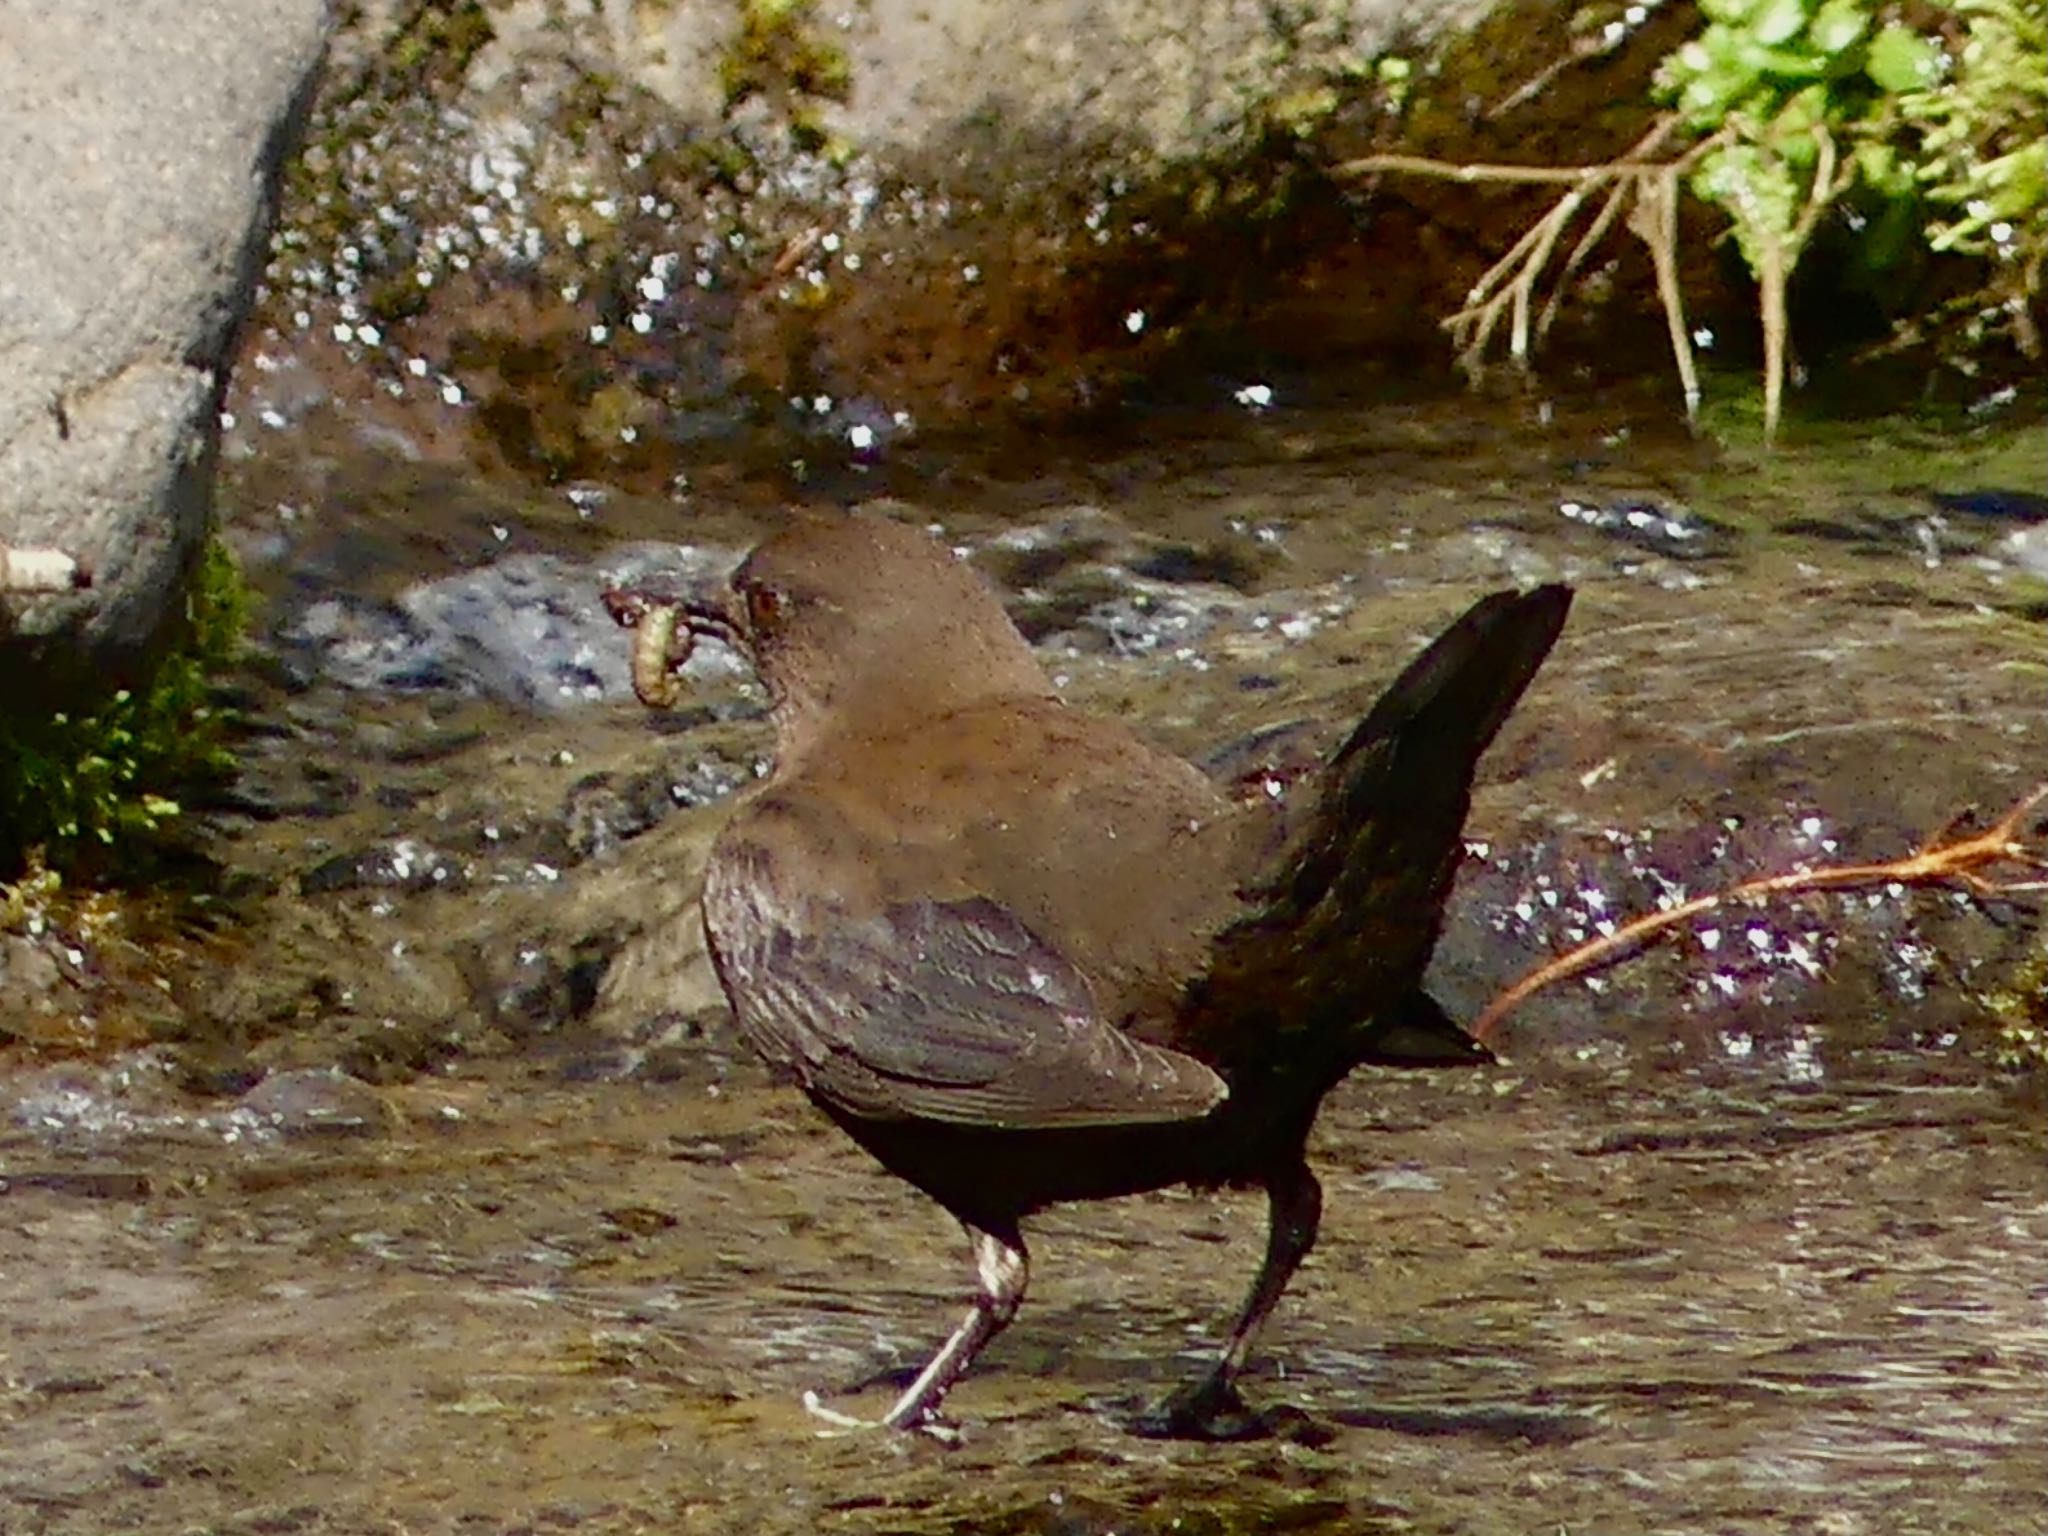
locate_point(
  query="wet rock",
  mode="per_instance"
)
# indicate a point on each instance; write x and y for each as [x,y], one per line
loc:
[317,1103]
[1271,760]
[1035,555]
[1976,524]
[1039,554]
[1675,533]
[1859,527]
[1213,564]
[533,990]
[1064,605]
[392,1049]
[1084,582]
[28,971]
[527,629]
[135,201]
[698,1049]
[405,864]
[1995,505]
[662,976]
[2027,548]
[1168,77]
[592,247]
[1149,617]
[215,1068]
[287,783]
[82,1104]
[362,644]
[599,814]
[82,1184]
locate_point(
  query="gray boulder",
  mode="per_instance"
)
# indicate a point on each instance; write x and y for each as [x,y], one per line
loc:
[143,144]
[1161,78]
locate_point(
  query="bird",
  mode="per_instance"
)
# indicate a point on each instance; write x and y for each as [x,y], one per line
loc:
[1024,956]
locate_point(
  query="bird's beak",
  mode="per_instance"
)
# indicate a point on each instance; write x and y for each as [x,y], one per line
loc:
[720,617]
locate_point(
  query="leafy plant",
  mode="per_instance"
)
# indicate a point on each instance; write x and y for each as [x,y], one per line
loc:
[1981,157]
[99,788]
[1778,90]
[1777,109]
[25,902]
[2021,1012]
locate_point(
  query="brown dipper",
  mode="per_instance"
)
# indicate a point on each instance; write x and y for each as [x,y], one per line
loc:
[1024,957]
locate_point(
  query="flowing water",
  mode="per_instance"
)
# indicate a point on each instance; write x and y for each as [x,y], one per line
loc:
[1746,1235]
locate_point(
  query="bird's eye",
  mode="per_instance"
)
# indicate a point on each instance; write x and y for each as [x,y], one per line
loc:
[765,607]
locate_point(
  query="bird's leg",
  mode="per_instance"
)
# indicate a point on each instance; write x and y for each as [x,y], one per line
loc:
[1210,1409]
[1003,1269]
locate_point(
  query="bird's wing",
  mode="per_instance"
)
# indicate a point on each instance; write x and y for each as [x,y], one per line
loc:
[951,1011]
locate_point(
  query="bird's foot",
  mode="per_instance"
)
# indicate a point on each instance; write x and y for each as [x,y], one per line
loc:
[1209,1409]
[845,1423]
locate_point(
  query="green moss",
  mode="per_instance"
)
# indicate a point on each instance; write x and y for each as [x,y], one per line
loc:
[98,791]
[1981,160]
[25,901]
[2022,1014]
[780,53]
[437,44]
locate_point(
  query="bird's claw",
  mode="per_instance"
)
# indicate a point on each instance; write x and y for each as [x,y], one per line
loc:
[846,1423]
[1208,1410]
[842,1423]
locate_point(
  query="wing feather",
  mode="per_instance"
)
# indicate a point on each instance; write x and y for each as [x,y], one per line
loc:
[951,1011]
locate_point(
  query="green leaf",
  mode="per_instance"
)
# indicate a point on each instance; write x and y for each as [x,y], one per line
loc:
[1878,167]
[1802,113]
[1837,24]
[1778,21]
[1709,75]
[2016,183]
[1718,48]
[1781,63]
[1757,192]
[1902,60]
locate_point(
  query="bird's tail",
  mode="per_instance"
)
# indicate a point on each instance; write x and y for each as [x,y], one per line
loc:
[1345,913]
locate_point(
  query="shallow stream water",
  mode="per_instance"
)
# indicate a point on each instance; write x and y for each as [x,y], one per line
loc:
[1746,1235]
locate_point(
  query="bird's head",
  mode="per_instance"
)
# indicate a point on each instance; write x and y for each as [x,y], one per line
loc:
[859,623]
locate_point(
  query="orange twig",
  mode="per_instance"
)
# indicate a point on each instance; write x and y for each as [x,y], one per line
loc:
[1959,862]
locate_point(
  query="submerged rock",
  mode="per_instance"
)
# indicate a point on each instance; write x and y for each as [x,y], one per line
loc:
[316,1102]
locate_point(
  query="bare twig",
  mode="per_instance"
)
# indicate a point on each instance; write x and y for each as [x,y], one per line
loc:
[1593,45]
[1961,861]
[1647,188]
[1617,199]
[1654,221]
[1638,182]
[1453,170]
